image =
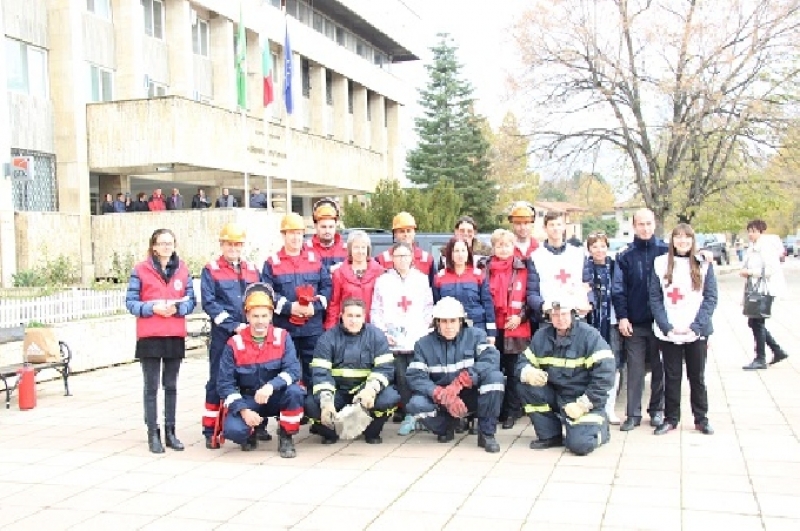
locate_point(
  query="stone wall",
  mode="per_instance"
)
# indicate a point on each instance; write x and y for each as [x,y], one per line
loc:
[44,236]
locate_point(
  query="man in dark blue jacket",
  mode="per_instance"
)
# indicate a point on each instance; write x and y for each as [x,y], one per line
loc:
[629,294]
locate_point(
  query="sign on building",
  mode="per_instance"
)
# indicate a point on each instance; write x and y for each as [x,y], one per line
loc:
[22,168]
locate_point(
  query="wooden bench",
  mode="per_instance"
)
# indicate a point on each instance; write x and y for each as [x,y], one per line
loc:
[12,371]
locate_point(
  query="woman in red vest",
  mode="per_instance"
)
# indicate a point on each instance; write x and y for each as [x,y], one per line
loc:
[508,275]
[160,295]
[354,278]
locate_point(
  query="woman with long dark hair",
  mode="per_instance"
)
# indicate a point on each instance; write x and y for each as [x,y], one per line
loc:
[160,295]
[683,296]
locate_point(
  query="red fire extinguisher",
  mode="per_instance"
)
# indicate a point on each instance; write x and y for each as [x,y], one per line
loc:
[27,387]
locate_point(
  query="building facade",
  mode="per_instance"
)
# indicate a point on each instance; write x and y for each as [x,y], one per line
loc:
[127,96]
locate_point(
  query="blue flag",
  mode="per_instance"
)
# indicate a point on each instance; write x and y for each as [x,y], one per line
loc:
[287,73]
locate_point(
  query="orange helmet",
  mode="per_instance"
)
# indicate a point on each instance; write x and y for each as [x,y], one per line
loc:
[232,232]
[258,295]
[521,211]
[404,220]
[325,209]
[292,221]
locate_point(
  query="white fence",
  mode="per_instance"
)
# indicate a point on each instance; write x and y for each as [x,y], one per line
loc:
[60,307]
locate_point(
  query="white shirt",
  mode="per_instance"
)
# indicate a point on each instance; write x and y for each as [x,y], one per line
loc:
[402,306]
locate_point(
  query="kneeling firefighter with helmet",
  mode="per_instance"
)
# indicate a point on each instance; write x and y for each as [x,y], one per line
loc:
[565,377]
[455,371]
[258,377]
[352,364]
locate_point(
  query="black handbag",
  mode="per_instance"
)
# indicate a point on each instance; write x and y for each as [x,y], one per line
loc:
[757,303]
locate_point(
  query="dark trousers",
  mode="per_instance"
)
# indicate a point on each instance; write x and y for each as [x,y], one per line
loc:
[512,406]
[166,371]
[401,362]
[305,353]
[286,404]
[642,348]
[219,338]
[695,355]
[762,338]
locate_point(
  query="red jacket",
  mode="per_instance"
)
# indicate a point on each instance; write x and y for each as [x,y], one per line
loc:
[157,203]
[330,256]
[507,286]
[147,286]
[532,247]
[347,285]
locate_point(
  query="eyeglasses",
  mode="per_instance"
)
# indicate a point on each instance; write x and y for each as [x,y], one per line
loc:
[402,256]
[165,244]
[598,234]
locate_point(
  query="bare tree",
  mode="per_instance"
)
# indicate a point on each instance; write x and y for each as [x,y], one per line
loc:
[683,89]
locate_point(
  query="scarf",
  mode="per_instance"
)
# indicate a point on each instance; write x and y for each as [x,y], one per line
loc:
[500,280]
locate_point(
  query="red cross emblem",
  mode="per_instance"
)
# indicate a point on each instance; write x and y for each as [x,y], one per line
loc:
[675,295]
[563,276]
[404,303]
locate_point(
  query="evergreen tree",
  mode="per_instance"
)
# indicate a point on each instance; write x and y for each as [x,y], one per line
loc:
[452,145]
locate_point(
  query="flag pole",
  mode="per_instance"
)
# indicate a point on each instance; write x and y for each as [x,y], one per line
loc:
[267,177]
[243,105]
[287,130]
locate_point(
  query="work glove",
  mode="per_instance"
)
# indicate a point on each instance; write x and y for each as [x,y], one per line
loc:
[464,380]
[263,394]
[368,393]
[305,296]
[452,403]
[579,408]
[532,376]
[328,409]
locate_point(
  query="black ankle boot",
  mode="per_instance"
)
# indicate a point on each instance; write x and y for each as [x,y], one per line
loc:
[170,438]
[154,440]
[285,444]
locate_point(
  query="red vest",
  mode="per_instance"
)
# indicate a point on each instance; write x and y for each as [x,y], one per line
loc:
[423,261]
[247,352]
[153,288]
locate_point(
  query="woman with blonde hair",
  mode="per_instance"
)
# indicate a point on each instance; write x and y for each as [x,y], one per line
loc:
[683,296]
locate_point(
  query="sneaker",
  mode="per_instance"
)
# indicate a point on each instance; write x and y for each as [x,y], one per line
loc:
[755,365]
[407,426]
[778,357]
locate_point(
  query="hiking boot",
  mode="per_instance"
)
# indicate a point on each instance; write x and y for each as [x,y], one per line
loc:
[285,444]
[488,443]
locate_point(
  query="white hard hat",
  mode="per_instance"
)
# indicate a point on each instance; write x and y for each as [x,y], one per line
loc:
[448,308]
[565,301]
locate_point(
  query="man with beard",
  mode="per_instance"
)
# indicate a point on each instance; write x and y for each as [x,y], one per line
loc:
[328,245]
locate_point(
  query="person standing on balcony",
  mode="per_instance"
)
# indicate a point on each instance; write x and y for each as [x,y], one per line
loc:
[140,205]
[226,200]
[175,201]
[157,202]
[160,295]
[200,199]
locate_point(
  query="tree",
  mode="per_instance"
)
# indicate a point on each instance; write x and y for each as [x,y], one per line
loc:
[595,224]
[509,165]
[591,191]
[451,142]
[681,88]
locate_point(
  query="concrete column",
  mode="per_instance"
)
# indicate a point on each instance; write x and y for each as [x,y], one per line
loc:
[392,139]
[378,124]
[8,241]
[360,123]
[340,109]
[67,65]
[222,62]
[317,100]
[179,48]
[128,49]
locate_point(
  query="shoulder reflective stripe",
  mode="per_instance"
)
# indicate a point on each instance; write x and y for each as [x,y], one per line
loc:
[213,265]
[233,397]
[323,300]
[537,408]
[491,387]
[477,272]
[321,363]
[350,373]
[589,418]
[599,356]
[517,305]
[278,332]
[451,367]
[285,377]
[275,259]
[281,303]
[221,317]
[239,342]
[323,387]
[383,358]
[378,376]
[531,357]
[418,365]
[311,256]
[491,326]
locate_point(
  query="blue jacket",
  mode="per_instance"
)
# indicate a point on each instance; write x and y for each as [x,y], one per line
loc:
[285,274]
[629,290]
[471,289]
[222,290]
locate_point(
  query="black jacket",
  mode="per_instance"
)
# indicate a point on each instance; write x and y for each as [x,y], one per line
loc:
[629,289]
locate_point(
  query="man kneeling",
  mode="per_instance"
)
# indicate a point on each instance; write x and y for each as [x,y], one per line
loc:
[565,377]
[455,370]
[258,376]
[352,363]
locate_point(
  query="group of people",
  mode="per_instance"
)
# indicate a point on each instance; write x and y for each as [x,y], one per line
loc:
[485,337]
[158,202]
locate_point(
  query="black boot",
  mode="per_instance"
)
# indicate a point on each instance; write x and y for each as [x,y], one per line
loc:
[543,444]
[285,444]
[778,355]
[172,441]
[154,440]
[449,432]
[488,443]
[251,443]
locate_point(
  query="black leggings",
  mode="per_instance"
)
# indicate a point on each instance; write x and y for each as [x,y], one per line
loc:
[152,371]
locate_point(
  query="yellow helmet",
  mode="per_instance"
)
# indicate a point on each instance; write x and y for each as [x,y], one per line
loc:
[232,232]
[258,295]
[325,209]
[404,220]
[521,211]
[292,221]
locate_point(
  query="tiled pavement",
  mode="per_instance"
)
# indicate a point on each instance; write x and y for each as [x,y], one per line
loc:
[82,463]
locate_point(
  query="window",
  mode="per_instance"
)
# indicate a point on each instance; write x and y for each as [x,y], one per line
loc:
[341,36]
[330,28]
[380,59]
[101,83]
[101,8]
[26,67]
[291,8]
[328,87]
[155,90]
[154,18]
[276,3]
[350,96]
[304,13]
[306,78]
[319,23]
[369,105]
[200,37]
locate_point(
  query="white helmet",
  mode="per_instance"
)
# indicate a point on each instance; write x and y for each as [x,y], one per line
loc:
[448,308]
[565,301]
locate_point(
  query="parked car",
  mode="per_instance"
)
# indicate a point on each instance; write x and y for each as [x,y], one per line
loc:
[790,244]
[433,243]
[616,246]
[717,246]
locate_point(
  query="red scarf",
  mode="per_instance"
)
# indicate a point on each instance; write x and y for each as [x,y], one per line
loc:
[499,280]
